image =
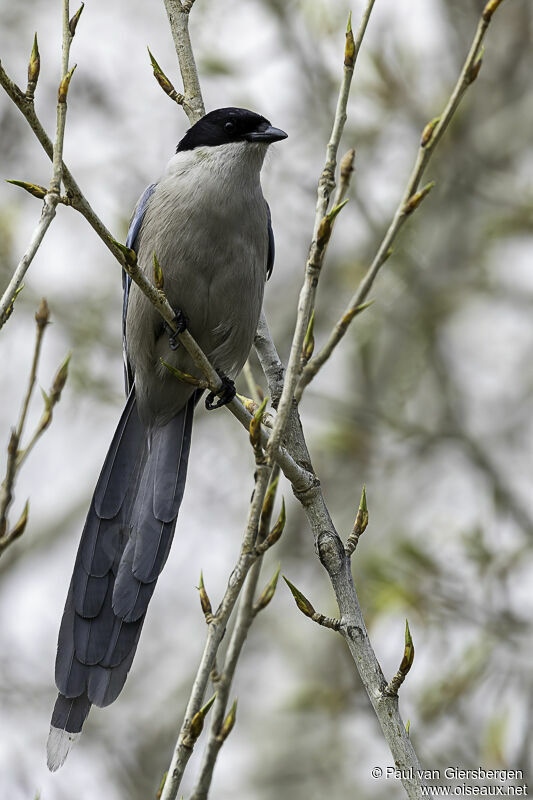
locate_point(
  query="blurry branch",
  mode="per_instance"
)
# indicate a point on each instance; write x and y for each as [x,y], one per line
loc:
[323,226]
[52,197]
[178,17]
[16,456]
[411,197]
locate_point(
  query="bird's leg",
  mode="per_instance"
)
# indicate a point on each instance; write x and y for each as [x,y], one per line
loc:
[182,323]
[225,396]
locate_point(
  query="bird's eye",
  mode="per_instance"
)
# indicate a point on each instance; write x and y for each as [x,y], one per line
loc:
[229,127]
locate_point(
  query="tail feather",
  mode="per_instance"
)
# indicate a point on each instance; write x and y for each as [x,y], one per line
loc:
[89,592]
[124,637]
[67,721]
[124,546]
[152,549]
[130,595]
[120,464]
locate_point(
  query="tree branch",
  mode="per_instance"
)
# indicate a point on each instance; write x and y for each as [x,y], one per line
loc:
[16,456]
[52,197]
[178,17]
[321,233]
[336,561]
[216,629]
[245,617]
[410,199]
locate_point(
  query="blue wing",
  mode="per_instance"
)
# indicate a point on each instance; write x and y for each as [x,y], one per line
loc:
[131,240]
[271,245]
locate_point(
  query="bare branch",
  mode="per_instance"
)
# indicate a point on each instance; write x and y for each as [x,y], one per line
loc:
[337,563]
[52,197]
[410,199]
[15,456]
[321,234]
[216,628]
[178,17]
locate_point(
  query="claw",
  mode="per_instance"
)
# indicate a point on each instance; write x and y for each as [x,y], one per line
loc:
[225,396]
[182,323]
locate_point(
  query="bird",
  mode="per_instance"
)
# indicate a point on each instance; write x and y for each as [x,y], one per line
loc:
[207,225]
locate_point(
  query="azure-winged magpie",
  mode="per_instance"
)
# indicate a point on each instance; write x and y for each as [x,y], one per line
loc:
[208,224]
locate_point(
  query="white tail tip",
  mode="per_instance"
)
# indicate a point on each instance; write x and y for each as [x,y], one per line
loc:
[58,747]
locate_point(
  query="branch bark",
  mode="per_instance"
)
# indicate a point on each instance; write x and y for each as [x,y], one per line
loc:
[178,17]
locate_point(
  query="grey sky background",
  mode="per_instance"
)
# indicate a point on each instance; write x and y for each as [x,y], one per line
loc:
[428,401]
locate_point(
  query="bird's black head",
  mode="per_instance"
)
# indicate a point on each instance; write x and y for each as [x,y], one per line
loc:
[227,125]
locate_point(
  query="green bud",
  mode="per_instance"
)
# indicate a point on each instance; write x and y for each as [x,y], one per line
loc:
[268,592]
[33,188]
[301,600]
[427,133]
[255,425]
[326,224]
[20,526]
[73,24]
[204,598]
[159,281]
[349,48]
[229,722]
[34,66]
[182,376]
[415,199]
[277,530]
[408,653]
[197,722]
[42,315]
[353,312]
[60,380]
[63,86]
[309,341]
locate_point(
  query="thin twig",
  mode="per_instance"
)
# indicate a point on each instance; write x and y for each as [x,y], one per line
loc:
[13,453]
[178,17]
[321,234]
[245,617]
[409,201]
[52,197]
[216,629]
[42,317]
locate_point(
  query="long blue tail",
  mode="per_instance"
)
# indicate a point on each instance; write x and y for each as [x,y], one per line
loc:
[123,548]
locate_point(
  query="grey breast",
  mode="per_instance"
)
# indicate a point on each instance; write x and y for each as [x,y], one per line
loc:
[211,241]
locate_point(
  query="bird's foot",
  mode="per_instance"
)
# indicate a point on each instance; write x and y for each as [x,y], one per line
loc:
[225,395]
[182,323]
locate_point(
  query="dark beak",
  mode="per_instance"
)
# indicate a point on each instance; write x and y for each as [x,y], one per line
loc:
[269,134]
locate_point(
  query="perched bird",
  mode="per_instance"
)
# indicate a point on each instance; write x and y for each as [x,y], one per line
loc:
[208,224]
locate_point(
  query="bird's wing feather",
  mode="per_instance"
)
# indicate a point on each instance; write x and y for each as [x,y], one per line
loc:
[131,242]
[271,245]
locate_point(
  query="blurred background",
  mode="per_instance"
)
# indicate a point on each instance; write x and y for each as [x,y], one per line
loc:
[428,400]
